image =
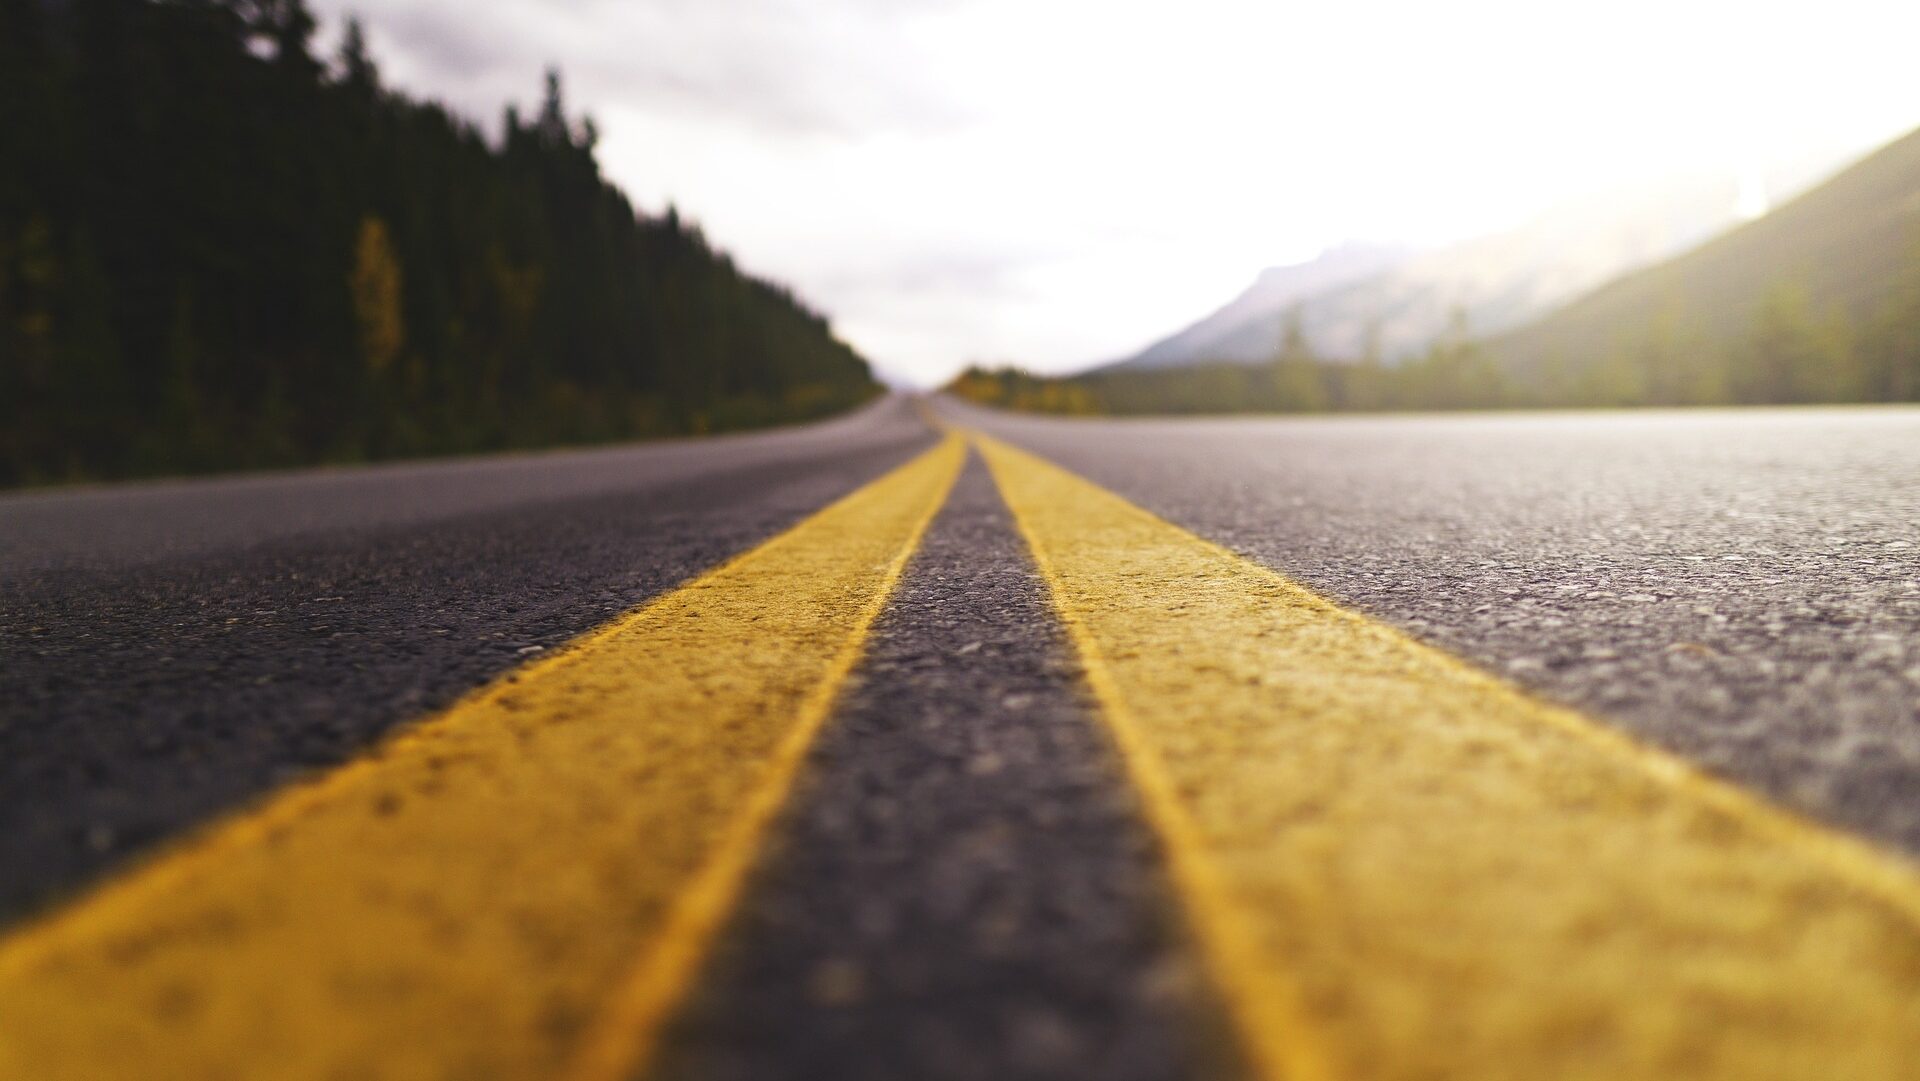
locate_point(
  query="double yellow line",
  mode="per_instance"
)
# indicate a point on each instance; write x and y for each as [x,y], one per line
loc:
[517,888]
[1401,868]
[1395,866]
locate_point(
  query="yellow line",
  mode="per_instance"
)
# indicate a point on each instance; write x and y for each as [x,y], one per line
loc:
[1400,868]
[518,888]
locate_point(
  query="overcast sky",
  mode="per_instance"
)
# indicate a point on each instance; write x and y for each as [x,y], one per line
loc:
[1055,183]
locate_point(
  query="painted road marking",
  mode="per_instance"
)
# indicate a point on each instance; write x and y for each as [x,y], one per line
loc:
[1401,868]
[519,888]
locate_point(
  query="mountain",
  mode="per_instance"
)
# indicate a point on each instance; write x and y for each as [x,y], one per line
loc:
[1496,282]
[1815,302]
[1276,289]
[1843,257]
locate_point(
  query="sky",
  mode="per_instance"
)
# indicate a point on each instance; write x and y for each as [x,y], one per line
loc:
[1055,183]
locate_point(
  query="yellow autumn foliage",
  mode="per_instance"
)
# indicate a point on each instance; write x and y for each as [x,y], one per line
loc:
[375,284]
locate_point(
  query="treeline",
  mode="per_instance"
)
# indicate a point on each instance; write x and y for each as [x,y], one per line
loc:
[218,250]
[1792,353]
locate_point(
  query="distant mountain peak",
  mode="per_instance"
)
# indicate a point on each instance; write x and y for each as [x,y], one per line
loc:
[1273,289]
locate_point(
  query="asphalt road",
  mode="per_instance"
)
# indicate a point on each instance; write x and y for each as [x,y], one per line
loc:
[1739,586]
[174,649]
[962,883]
[963,888]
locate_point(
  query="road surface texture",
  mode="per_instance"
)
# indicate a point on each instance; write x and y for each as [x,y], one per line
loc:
[964,889]
[1742,587]
[1395,748]
[176,648]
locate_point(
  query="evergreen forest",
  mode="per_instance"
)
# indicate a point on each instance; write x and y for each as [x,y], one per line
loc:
[220,250]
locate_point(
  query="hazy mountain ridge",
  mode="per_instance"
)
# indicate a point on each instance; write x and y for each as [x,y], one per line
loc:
[1275,289]
[1496,282]
[1844,249]
[1815,302]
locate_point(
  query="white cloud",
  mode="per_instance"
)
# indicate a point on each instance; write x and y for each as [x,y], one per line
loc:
[1055,182]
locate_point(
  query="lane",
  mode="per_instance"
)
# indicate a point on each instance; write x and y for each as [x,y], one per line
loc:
[1742,587]
[1402,869]
[1394,867]
[122,524]
[962,888]
[519,887]
[206,649]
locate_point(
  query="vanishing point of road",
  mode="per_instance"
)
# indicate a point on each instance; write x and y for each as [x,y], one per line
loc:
[932,743]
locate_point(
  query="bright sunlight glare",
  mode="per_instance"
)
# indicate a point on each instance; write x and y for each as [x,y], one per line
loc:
[1054,183]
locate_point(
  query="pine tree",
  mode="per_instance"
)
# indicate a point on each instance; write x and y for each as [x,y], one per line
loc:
[358,72]
[1297,383]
